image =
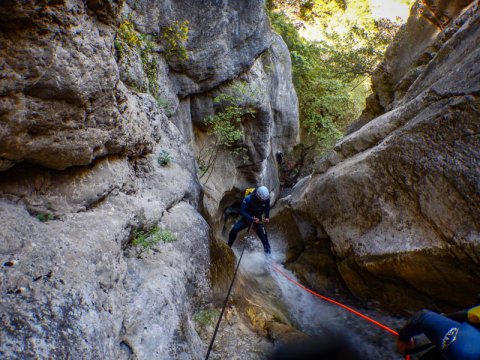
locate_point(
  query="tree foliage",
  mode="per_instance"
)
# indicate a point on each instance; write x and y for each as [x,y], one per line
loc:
[359,51]
[331,72]
[224,127]
[326,102]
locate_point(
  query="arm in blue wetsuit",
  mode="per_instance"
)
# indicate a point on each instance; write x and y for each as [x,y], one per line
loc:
[418,324]
[455,340]
[252,207]
[267,210]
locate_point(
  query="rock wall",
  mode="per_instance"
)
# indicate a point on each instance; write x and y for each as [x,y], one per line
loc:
[273,129]
[238,47]
[397,200]
[84,121]
[416,43]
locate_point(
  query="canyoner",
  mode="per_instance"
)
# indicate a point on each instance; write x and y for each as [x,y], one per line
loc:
[255,205]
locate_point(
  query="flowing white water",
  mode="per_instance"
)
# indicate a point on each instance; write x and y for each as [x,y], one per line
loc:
[314,316]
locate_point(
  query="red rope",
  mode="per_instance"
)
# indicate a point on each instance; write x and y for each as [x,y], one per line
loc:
[365,317]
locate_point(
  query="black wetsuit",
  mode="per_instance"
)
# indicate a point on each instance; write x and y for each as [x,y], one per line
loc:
[252,207]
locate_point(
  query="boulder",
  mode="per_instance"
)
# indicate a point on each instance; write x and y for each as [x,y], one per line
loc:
[61,101]
[398,197]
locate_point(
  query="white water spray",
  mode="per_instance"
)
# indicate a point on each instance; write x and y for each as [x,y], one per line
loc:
[309,313]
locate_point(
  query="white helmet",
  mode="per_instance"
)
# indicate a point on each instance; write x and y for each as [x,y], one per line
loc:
[262,193]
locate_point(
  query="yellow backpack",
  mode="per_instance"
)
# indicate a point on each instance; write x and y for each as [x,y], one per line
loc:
[248,191]
[474,315]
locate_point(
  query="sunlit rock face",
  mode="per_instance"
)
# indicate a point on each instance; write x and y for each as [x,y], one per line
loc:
[398,199]
[80,143]
[426,30]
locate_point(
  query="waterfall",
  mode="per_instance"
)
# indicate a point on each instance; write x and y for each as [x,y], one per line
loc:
[306,312]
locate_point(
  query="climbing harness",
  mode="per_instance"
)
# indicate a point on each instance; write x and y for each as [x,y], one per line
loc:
[226,299]
[365,317]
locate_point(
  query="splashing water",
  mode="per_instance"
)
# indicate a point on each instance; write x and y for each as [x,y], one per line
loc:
[314,316]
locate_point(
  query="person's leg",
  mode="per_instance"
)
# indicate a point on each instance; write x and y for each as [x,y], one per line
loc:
[237,227]
[262,234]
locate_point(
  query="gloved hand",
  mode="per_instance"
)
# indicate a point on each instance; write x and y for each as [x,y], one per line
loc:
[404,346]
[256,220]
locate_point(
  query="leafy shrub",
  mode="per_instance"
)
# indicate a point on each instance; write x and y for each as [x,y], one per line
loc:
[146,240]
[164,158]
[204,321]
[175,35]
[163,103]
[205,317]
[224,127]
[44,217]
[129,40]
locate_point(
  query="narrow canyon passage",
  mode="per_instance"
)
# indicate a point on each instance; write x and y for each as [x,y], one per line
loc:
[128,128]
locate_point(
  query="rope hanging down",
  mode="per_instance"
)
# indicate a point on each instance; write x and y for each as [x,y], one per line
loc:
[225,302]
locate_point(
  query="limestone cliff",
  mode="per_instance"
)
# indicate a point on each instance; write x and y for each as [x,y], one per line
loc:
[394,208]
[92,95]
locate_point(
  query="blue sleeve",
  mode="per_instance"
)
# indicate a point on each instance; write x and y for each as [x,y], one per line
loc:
[244,209]
[433,325]
[413,327]
[267,209]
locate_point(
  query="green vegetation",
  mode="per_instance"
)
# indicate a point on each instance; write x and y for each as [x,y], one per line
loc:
[224,127]
[150,67]
[332,69]
[205,317]
[175,35]
[145,240]
[164,158]
[205,321]
[163,103]
[129,40]
[44,217]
